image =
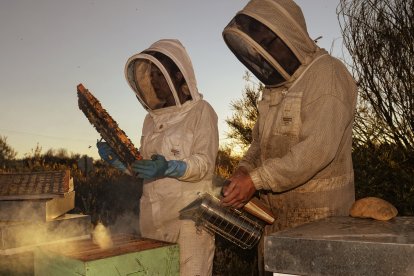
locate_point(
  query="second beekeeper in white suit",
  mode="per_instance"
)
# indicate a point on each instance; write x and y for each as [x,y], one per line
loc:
[179,145]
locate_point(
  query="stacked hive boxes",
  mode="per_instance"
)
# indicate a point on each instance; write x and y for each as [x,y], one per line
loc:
[33,212]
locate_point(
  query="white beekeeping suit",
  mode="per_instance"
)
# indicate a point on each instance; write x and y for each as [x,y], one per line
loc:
[300,157]
[180,126]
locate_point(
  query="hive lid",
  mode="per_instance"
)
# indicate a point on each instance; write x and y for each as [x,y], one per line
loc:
[87,250]
[35,185]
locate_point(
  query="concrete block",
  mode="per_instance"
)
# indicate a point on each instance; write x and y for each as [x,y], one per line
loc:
[343,246]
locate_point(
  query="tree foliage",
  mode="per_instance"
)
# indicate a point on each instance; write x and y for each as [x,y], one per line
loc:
[379,35]
[7,153]
[245,114]
[225,162]
[380,172]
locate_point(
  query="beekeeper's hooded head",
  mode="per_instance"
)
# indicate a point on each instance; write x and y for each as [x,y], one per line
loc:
[162,76]
[270,38]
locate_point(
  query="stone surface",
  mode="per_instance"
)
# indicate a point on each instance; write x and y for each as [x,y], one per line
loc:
[343,246]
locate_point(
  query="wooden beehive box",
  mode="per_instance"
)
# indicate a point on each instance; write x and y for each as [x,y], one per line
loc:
[35,185]
[129,255]
[20,264]
[35,196]
[36,210]
[16,237]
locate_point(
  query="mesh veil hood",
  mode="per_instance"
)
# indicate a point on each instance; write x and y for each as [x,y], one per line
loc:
[285,19]
[177,53]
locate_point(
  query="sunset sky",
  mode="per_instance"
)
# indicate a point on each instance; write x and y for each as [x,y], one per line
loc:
[50,46]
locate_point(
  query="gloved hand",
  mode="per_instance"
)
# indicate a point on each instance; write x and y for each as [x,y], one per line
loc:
[158,166]
[146,169]
[106,153]
[176,168]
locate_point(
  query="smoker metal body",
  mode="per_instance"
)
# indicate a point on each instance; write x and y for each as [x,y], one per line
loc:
[343,246]
[129,255]
[237,226]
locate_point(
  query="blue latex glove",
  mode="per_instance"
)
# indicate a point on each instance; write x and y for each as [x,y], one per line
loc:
[158,166]
[176,168]
[153,168]
[106,153]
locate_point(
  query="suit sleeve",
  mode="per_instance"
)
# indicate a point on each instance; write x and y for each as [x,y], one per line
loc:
[205,146]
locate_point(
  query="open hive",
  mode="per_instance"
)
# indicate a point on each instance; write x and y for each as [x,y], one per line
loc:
[129,255]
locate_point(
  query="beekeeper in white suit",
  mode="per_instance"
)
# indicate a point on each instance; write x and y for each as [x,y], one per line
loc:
[300,158]
[179,145]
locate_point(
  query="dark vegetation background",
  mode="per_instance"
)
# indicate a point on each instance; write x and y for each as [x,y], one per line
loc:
[379,40]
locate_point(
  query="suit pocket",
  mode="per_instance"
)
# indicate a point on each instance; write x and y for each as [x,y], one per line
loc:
[288,119]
